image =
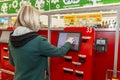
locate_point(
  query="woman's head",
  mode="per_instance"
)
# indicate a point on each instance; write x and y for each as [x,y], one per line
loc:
[29,17]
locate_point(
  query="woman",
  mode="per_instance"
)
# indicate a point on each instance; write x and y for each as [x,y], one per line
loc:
[29,51]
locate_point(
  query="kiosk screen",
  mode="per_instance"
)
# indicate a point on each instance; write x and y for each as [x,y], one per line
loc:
[63,36]
[5,36]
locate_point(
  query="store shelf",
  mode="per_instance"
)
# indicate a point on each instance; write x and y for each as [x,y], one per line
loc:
[8,15]
[96,29]
[52,28]
[95,8]
[105,29]
[115,6]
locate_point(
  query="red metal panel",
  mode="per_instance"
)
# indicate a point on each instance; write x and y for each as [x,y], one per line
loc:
[104,60]
[43,33]
[6,76]
[58,65]
[5,63]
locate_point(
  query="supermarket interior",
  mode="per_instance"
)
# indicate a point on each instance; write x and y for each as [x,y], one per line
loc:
[94,24]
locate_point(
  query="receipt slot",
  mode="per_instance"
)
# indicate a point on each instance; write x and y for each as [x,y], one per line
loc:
[82,58]
[79,73]
[68,70]
[76,63]
[68,58]
[101,44]
[5,49]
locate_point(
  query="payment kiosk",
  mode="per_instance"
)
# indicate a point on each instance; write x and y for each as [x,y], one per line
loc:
[7,71]
[77,63]
[101,44]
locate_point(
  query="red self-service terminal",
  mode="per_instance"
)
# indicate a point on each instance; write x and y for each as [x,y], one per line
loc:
[6,69]
[77,63]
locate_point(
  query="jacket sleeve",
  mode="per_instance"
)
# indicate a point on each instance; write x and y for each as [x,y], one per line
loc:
[10,57]
[50,50]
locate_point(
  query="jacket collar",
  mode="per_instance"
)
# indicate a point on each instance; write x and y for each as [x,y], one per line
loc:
[21,40]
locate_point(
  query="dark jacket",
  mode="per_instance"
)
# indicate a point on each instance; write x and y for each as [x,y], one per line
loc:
[29,52]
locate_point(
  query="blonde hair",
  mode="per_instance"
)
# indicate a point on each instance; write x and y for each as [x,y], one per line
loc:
[29,17]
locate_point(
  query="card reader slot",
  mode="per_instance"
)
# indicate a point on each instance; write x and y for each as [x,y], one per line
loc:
[68,58]
[85,38]
[79,73]
[76,63]
[5,58]
[68,70]
[82,58]
[5,49]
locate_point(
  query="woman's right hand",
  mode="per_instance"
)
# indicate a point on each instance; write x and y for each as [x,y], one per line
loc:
[70,39]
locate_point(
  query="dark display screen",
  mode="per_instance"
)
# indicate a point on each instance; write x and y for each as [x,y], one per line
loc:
[101,44]
[100,41]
